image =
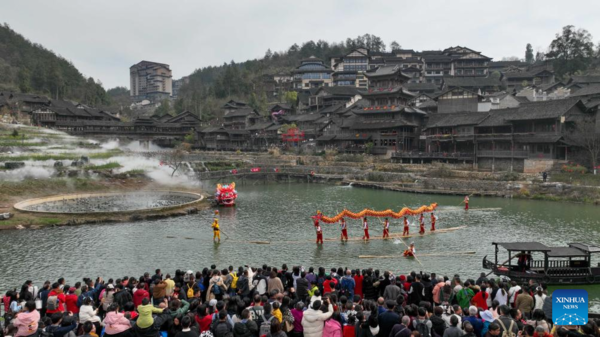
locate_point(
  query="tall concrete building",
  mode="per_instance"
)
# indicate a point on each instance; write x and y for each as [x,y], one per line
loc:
[150,80]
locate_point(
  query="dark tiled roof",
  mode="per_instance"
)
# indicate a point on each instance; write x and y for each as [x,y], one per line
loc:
[418,87]
[383,125]
[503,64]
[498,118]
[591,90]
[522,99]
[471,82]
[545,110]
[584,79]
[241,112]
[259,126]
[332,109]
[455,119]
[549,86]
[386,70]
[339,90]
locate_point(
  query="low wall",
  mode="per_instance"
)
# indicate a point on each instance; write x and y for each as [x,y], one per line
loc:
[22,206]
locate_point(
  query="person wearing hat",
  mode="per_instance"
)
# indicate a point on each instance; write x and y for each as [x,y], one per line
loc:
[71,301]
[487,317]
[344,228]
[216,230]
[319,230]
[405,232]
[386,228]
[365,229]
[422,224]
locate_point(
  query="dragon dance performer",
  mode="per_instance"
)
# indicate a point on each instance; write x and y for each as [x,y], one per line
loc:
[410,251]
[366,229]
[386,228]
[405,232]
[421,224]
[319,234]
[317,218]
[433,218]
[216,230]
[344,229]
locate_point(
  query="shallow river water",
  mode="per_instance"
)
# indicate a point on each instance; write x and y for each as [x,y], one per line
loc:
[281,212]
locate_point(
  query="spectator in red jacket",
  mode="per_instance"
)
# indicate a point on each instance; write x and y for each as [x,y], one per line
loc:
[358,280]
[71,301]
[56,291]
[140,294]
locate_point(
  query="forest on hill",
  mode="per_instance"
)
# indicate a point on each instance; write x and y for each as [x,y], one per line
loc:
[209,87]
[28,67]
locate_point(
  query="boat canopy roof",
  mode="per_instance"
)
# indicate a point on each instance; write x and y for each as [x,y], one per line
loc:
[524,246]
[566,252]
[585,247]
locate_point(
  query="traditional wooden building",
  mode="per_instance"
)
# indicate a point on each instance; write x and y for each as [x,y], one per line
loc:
[312,73]
[461,100]
[349,68]
[478,84]
[325,97]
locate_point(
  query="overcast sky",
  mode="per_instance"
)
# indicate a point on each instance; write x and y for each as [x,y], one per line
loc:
[104,38]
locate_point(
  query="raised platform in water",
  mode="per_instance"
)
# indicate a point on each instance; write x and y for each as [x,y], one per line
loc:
[419,255]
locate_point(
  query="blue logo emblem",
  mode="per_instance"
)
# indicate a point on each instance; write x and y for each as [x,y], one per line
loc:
[570,307]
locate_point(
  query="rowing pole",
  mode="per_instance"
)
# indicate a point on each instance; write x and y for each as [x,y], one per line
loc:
[395,256]
[414,255]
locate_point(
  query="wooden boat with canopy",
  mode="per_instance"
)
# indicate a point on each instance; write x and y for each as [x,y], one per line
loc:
[549,265]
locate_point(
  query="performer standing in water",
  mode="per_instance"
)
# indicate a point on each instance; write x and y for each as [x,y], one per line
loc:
[405,232]
[344,229]
[365,229]
[319,234]
[421,224]
[466,201]
[433,218]
[216,230]
[386,228]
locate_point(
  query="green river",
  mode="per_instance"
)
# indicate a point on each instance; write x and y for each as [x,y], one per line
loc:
[281,212]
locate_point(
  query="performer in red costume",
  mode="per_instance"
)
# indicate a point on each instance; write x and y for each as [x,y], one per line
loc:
[344,229]
[319,234]
[386,228]
[366,229]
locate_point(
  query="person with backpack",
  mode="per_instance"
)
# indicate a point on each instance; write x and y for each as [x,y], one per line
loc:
[235,276]
[222,327]
[216,287]
[422,324]
[508,326]
[246,327]
[56,300]
[313,319]
[265,319]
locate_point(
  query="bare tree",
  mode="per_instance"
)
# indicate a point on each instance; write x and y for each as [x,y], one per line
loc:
[586,135]
[174,159]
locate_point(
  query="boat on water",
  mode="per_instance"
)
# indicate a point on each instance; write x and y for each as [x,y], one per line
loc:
[548,265]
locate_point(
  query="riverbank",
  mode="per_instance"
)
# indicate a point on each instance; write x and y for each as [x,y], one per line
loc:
[13,192]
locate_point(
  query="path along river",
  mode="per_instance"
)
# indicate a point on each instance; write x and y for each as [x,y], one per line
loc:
[281,212]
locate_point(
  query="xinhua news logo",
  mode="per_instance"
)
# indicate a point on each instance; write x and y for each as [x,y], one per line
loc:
[570,307]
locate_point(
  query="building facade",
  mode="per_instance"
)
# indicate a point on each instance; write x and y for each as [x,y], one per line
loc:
[150,80]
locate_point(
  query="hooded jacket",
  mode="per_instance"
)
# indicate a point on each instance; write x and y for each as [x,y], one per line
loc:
[27,323]
[313,321]
[115,323]
[332,328]
[245,329]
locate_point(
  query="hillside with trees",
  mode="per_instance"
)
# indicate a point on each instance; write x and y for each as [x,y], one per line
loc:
[209,87]
[28,67]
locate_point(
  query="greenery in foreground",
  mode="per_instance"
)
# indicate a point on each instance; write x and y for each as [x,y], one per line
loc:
[60,156]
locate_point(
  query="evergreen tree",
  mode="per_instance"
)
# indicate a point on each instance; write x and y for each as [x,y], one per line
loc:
[529,53]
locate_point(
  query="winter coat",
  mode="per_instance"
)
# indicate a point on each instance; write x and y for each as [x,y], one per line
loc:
[274,283]
[115,323]
[313,321]
[368,288]
[248,329]
[221,328]
[87,313]
[26,323]
[391,292]
[332,328]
